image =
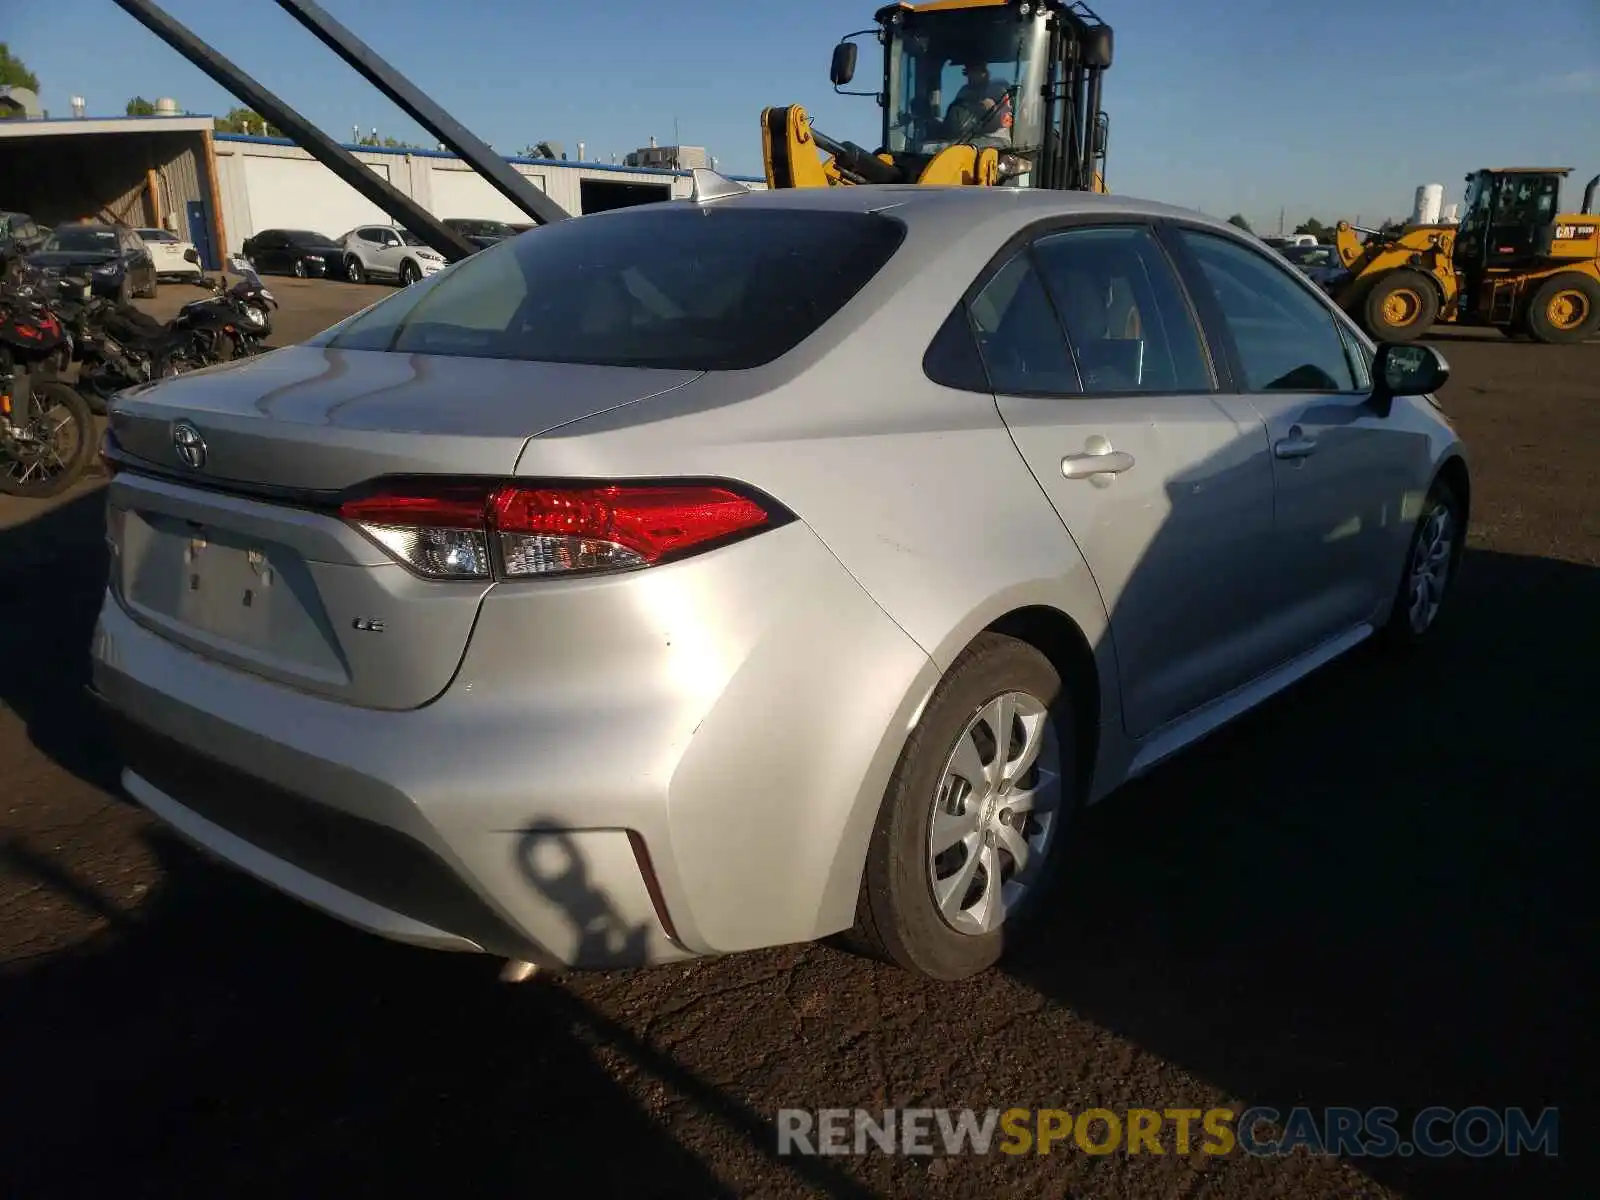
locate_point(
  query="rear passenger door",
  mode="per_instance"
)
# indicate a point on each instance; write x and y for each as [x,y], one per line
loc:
[1102,375]
[1341,470]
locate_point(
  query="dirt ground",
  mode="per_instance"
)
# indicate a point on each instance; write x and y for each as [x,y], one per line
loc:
[1374,892]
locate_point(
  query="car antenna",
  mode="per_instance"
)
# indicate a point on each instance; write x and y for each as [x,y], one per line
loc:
[711,185]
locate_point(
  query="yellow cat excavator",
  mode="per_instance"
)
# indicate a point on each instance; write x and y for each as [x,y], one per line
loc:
[1516,261]
[991,93]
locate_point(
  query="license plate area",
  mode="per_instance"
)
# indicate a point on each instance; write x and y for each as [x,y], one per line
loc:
[248,598]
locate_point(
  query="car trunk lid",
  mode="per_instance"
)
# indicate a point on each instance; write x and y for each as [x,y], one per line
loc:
[243,558]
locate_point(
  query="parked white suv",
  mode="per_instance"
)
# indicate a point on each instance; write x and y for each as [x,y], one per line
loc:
[387,252]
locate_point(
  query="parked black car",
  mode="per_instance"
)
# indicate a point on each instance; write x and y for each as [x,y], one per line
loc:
[22,233]
[1320,264]
[298,252]
[114,257]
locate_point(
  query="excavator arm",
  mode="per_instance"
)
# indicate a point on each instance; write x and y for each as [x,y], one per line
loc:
[798,155]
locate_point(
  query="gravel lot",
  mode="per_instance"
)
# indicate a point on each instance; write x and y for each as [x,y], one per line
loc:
[1371,893]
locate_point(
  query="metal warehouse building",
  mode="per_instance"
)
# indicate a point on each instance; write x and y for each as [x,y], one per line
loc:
[142,171]
[216,189]
[270,183]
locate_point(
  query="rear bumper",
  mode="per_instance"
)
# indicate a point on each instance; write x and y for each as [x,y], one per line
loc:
[625,772]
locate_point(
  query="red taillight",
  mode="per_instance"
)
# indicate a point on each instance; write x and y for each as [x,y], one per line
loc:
[475,531]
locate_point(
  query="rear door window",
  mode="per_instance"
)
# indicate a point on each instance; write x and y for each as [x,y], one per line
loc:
[1125,312]
[659,286]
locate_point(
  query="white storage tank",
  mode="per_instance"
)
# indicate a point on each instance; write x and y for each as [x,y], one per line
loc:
[166,107]
[1429,205]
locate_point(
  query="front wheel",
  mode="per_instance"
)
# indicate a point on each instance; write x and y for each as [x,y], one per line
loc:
[409,273]
[299,268]
[1401,307]
[49,452]
[1430,571]
[970,831]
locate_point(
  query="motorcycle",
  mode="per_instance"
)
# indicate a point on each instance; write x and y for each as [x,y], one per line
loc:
[46,430]
[234,321]
[122,346]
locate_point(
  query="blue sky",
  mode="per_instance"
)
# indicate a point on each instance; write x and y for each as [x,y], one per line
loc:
[1243,106]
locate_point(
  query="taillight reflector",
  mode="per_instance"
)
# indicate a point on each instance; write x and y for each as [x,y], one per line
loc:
[475,531]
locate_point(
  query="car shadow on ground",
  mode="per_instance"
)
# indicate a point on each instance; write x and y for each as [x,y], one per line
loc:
[1372,892]
[52,578]
[222,1041]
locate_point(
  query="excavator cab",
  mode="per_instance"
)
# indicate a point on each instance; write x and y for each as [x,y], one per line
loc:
[988,92]
[1508,217]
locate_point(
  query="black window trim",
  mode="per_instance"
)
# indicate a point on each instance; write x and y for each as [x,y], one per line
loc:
[1168,230]
[1022,241]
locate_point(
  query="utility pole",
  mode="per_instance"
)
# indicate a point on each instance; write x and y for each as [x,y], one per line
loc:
[1282,216]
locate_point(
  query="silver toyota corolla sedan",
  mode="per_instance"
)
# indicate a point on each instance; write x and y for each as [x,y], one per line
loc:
[717,574]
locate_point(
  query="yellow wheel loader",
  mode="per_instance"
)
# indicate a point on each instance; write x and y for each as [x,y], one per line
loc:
[1515,262]
[974,92]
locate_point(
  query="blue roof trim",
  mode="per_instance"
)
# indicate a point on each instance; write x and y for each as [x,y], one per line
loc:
[423,152]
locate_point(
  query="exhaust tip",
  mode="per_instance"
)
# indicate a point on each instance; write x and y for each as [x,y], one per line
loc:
[517,971]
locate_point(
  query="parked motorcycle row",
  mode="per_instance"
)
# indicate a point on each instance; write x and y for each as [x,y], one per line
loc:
[51,323]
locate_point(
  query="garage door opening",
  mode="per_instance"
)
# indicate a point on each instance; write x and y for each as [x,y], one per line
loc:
[601,195]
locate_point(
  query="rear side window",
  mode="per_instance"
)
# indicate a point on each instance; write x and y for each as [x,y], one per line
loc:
[707,289]
[1125,312]
[1019,336]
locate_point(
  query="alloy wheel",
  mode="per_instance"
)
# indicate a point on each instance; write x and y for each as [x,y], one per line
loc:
[1431,562]
[995,813]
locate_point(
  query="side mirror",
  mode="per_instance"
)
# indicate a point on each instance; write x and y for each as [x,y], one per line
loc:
[843,69]
[1102,134]
[1406,370]
[191,256]
[1099,47]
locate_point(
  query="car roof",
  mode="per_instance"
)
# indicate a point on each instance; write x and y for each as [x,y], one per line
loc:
[956,202]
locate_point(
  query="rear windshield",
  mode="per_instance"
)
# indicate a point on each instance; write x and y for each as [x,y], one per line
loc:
[84,237]
[679,287]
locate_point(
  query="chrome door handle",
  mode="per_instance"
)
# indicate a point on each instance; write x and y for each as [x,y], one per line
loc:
[1096,462]
[1296,445]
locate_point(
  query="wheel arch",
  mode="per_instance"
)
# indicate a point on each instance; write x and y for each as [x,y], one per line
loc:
[1059,638]
[1453,471]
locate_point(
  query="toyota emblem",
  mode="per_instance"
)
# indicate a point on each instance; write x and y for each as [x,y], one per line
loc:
[191,447]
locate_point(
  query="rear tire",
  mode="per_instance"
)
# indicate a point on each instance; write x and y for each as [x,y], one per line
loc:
[1401,306]
[48,397]
[353,272]
[1565,308]
[898,917]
